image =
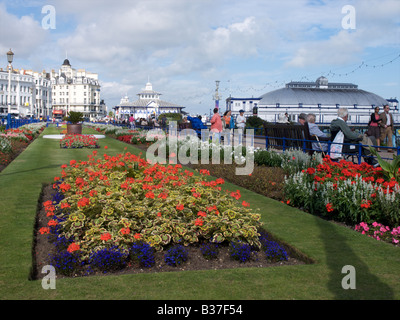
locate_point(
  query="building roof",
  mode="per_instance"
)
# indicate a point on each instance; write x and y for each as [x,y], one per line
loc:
[145,102]
[312,93]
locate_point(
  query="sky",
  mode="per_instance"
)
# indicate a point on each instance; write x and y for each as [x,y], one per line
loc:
[184,46]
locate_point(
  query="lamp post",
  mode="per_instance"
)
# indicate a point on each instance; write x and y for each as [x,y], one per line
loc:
[10,56]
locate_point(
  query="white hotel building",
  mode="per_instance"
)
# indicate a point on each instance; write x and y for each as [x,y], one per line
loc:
[30,93]
[41,94]
[76,90]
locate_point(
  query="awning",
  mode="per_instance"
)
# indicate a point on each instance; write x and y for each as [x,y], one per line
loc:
[57,112]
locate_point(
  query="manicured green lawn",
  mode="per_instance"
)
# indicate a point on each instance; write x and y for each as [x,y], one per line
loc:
[331,247]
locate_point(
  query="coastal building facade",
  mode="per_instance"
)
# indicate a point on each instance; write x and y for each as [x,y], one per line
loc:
[76,90]
[30,93]
[147,105]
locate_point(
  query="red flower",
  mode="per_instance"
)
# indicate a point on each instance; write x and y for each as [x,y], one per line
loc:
[83,202]
[65,187]
[47,203]
[149,195]
[125,230]
[137,236]
[52,223]
[180,207]
[163,195]
[65,205]
[198,222]
[236,194]
[310,171]
[202,214]
[329,207]
[44,230]
[245,204]
[73,247]
[105,236]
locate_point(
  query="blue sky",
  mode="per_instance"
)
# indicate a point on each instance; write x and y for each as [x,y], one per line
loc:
[252,47]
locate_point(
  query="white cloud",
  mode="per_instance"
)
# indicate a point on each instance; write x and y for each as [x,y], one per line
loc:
[178,42]
[373,20]
[339,49]
[23,35]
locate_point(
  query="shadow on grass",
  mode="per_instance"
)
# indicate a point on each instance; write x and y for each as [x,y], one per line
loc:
[339,254]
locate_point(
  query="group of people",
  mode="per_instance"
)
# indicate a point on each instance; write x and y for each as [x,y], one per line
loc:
[227,121]
[149,122]
[380,127]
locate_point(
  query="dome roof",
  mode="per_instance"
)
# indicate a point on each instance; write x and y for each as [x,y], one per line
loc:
[66,63]
[315,96]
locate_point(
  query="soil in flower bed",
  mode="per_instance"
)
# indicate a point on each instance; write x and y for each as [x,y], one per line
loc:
[43,248]
[267,181]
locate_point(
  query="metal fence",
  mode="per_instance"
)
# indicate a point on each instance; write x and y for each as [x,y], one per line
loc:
[11,123]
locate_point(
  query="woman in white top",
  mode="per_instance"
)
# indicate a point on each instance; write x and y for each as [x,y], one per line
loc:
[241,120]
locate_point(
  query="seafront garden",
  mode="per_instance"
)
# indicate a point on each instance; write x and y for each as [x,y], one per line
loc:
[284,231]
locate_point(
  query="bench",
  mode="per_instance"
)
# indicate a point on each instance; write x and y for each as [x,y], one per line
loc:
[290,136]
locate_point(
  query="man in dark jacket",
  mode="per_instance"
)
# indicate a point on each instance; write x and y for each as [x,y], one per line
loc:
[340,124]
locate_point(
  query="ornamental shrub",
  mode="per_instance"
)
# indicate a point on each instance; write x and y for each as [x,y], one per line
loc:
[142,253]
[209,250]
[108,259]
[240,251]
[65,262]
[275,252]
[176,255]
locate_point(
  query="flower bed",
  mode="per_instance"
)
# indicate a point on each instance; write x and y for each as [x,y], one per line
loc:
[14,141]
[379,232]
[342,191]
[346,192]
[106,211]
[73,141]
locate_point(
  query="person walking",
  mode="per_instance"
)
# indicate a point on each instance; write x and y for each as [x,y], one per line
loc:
[227,119]
[240,124]
[374,128]
[132,122]
[241,120]
[216,124]
[386,126]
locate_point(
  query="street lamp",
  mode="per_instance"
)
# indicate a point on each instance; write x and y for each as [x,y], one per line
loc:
[10,56]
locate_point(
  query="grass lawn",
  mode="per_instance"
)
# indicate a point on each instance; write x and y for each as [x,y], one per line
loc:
[331,246]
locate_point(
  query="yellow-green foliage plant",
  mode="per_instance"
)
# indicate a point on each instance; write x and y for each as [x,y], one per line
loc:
[118,200]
